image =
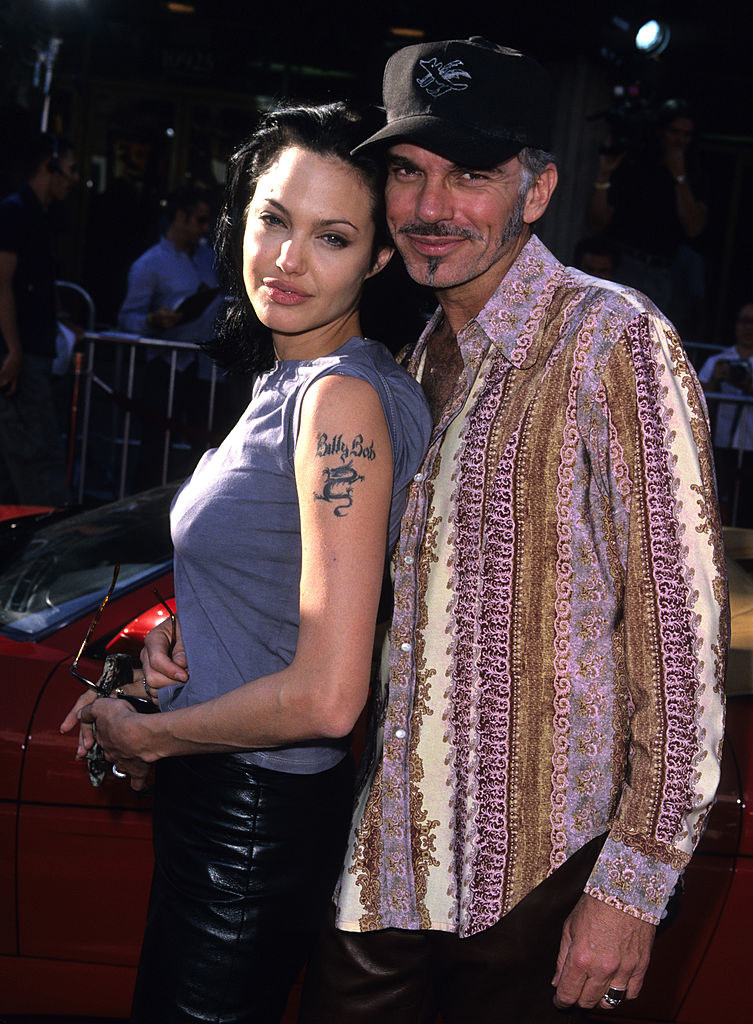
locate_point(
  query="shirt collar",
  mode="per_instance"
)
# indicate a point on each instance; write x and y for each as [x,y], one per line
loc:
[173,248]
[31,199]
[512,318]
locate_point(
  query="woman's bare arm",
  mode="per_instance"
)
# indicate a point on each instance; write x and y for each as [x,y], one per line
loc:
[343,469]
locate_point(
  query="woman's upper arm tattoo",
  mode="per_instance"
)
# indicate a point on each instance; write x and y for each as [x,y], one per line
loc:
[343,459]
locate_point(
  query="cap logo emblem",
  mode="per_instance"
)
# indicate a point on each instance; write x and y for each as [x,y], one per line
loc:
[441,78]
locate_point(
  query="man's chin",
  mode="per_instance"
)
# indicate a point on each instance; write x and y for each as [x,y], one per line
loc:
[433,273]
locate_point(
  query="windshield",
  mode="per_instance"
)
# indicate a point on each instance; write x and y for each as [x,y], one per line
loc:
[63,568]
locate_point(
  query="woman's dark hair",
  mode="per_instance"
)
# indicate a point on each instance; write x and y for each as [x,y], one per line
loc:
[243,344]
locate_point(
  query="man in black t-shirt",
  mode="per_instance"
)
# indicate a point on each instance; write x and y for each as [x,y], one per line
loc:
[647,200]
[32,463]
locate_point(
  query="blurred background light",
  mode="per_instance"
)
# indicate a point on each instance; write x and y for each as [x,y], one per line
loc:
[652,38]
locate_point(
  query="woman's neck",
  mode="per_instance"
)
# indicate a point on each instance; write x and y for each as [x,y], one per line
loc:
[317,343]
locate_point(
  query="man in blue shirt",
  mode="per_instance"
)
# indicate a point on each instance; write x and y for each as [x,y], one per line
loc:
[179,266]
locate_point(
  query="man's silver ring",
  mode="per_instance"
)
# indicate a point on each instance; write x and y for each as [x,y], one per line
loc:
[122,775]
[614,996]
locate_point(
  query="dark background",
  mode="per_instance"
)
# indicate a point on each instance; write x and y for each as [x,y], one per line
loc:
[151,96]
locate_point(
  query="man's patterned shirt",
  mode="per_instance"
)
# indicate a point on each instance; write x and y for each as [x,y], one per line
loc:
[556,661]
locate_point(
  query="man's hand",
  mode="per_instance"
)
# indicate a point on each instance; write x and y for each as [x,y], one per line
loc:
[609,160]
[601,948]
[123,735]
[164,318]
[163,666]
[9,372]
[674,160]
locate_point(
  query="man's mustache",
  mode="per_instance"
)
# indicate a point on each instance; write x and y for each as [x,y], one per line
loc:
[438,230]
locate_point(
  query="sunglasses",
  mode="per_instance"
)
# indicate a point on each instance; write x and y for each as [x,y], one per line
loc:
[118,670]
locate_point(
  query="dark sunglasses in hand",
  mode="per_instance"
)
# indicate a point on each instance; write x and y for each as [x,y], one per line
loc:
[117,671]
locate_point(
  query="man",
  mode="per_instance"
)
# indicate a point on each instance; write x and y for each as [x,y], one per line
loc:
[32,461]
[729,371]
[646,198]
[178,267]
[598,256]
[550,720]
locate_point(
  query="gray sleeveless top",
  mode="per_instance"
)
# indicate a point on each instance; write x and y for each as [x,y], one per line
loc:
[236,531]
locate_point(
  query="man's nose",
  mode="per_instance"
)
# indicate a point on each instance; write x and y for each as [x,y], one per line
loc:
[434,202]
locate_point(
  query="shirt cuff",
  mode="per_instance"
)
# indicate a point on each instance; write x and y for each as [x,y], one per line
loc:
[631,881]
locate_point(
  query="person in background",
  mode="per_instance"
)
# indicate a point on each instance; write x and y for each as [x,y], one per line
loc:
[548,728]
[647,198]
[178,268]
[598,256]
[731,372]
[32,460]
[280,537]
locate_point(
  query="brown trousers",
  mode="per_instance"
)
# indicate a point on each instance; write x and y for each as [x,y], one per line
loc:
[501,975]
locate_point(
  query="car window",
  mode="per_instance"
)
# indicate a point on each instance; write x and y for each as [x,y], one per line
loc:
[58,570]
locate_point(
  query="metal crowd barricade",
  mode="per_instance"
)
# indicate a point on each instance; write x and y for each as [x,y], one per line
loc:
[128,345]
[699,352]
[85,298]
[714,399]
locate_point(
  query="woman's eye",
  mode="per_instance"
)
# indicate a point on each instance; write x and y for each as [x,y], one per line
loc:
[271,219]
[335,240]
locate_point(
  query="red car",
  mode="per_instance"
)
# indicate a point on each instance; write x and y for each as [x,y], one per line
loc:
[75,860]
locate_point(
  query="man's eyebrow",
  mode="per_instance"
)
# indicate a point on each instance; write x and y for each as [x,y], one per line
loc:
[393,160]
[324,223]
[498,170]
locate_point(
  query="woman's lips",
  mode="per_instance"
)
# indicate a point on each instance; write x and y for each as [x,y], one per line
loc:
[283,293]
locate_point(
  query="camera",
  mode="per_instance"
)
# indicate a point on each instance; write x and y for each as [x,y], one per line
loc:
[630,119]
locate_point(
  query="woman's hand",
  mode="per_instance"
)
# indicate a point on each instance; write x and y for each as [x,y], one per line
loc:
[163,666]
[86,737]
[123,735]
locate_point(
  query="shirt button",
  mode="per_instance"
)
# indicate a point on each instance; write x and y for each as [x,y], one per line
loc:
[405,647]
[400,734]
[418,477]
[409,559]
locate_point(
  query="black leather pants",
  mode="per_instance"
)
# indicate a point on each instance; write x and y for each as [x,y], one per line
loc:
[245,863]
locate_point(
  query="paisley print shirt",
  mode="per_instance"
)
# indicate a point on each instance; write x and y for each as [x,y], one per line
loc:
[556,661]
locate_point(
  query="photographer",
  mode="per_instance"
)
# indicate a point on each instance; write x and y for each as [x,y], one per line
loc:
[731,372]
[645,197]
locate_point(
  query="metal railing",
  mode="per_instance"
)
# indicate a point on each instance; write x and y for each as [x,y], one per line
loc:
[739,442]
[88,301]
[123,350]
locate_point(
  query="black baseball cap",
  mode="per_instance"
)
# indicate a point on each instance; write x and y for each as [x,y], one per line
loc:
[469,100]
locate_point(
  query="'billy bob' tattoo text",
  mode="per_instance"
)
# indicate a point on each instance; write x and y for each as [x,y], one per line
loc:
[340,480]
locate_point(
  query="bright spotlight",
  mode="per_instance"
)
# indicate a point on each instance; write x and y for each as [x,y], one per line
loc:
[652,38]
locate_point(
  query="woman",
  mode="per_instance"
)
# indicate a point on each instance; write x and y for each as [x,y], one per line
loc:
[280,542]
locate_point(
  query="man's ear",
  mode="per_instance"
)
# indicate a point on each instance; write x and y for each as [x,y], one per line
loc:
[539,194]
[382,259]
